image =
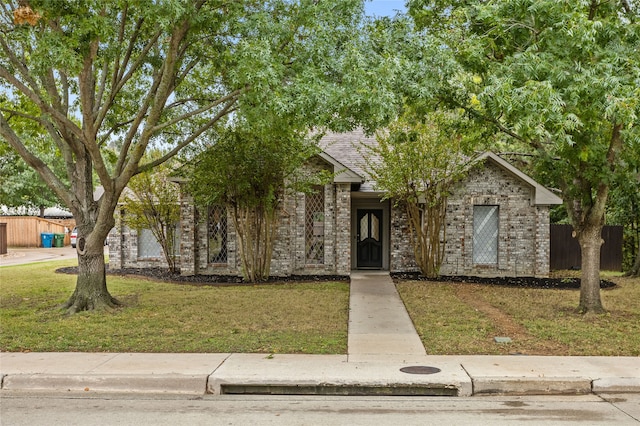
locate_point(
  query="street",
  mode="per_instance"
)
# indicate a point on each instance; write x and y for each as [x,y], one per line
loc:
[20,408]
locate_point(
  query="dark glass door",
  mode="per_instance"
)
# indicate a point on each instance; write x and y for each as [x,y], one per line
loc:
[369,238]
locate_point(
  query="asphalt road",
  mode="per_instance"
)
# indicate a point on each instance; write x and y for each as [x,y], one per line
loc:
[92,409]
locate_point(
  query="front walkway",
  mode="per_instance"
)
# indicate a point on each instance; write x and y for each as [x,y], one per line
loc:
[379,325]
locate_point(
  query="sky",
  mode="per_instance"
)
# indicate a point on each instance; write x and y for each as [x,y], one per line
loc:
[384,7]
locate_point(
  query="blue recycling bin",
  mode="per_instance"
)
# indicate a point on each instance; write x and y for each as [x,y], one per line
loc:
[47,239]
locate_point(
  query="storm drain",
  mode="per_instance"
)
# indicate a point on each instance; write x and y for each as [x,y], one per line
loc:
[420,369]
[341,390]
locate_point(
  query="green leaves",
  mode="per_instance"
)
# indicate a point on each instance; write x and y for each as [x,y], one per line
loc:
[558,75]
[419,157]
[560,78]
[249,165]
[153,202]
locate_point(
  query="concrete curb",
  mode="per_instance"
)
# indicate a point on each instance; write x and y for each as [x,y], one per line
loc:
[530,386]
[332,374]
[122,383]
[616,385]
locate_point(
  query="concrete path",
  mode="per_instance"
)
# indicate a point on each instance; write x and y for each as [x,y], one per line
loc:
[379,325]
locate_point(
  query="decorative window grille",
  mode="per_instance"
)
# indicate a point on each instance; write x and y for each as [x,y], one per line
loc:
[314,226]
[217,234]
[148,245]
[485,235]
[150,248]
[369,227]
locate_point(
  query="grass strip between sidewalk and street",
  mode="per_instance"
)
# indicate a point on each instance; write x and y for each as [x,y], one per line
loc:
[165,317]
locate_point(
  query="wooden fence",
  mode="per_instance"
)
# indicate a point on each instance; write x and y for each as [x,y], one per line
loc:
[24,231]
[565,250]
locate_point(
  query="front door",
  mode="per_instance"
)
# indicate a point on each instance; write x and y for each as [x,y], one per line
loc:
[369,238]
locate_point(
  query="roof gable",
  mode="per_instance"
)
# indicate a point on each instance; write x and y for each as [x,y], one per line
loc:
[343,148]
[342,173]
[350,167]
[541,195]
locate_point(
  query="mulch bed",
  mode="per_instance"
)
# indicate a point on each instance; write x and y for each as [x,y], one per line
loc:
[161,274]
[529,282]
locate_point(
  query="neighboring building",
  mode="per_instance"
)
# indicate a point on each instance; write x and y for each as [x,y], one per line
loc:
[497,225]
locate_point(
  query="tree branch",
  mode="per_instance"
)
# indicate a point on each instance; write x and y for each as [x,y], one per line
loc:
[135,124]
[233,96]
[105,137]
[36,99]
[87,84]
[593,8]
[187,141]
[119,81]
[38,165]
[493,121]
[164,85]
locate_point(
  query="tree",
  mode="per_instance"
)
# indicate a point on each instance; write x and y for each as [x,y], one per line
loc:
[416,162]
[153,202]
[166,73]
[561,78]
[248,170]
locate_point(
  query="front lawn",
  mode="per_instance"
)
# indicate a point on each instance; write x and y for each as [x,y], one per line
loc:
[165,317]
[457,318]
[452,318]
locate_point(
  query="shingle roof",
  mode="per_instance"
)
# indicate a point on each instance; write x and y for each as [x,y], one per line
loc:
[347,149]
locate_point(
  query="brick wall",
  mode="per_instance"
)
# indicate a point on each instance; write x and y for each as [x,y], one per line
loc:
[289,250]
[523,246]
[523,236]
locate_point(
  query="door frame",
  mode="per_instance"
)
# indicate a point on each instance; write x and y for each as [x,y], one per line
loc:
[370,204]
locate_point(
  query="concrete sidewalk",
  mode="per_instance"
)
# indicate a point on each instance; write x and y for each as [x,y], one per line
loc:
[316,374]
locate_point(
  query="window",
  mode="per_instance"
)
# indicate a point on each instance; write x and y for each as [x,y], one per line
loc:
[370,227]
[217,234]
[314,226]
[150,248]
[485,235]
[148,245]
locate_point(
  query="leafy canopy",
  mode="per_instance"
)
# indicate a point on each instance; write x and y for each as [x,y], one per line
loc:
[250,165]
[560,77]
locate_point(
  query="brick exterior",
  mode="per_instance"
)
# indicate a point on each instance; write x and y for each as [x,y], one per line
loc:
[523,237]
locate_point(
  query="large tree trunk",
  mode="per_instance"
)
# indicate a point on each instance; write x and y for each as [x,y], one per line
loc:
[94,221]
[590,239]
[91,287]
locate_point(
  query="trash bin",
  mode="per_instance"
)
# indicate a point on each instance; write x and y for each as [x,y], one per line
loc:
[58,240]
[47,239]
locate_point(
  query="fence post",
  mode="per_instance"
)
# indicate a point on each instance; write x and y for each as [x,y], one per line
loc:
[3,238]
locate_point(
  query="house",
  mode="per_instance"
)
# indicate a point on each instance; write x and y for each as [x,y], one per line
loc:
[497,225]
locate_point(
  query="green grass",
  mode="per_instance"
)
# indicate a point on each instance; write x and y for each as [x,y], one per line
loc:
[539,321]
[306,318]
[165,317]
[446,324]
